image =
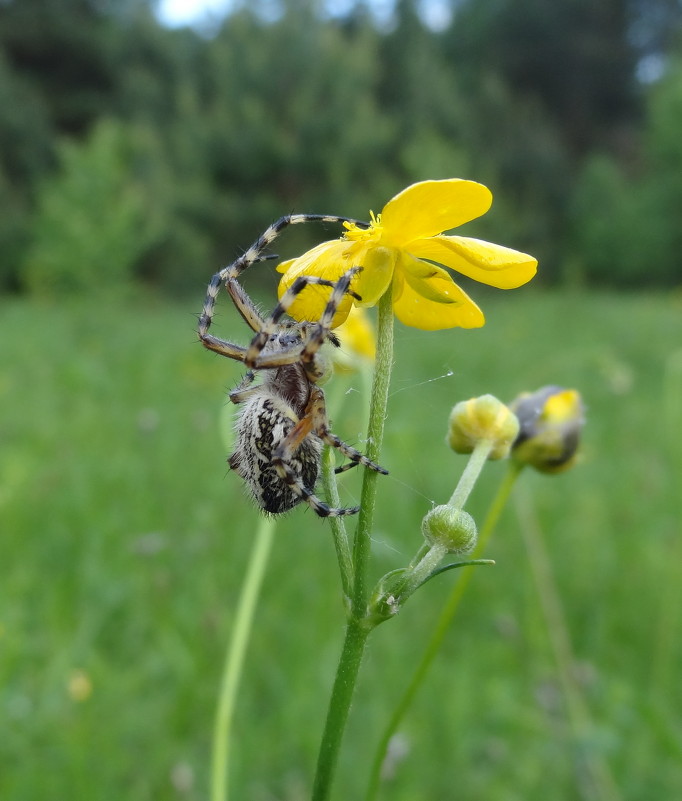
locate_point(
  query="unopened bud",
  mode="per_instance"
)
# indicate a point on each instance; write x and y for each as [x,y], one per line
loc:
[551,422]
[451,528]
[484,418]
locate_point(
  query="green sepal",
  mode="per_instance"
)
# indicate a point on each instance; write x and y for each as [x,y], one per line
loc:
[453,565]
[385,601]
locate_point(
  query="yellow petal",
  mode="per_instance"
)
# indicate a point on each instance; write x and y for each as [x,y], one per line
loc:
[431,207]
[490,264]
[417,274]
[283,266]
[329,260]
[377,265]
[326,260]
[414,308]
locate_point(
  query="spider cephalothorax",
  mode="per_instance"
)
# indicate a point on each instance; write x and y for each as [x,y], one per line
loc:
[282,423]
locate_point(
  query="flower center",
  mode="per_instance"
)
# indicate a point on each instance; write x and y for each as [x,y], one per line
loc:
[356,234]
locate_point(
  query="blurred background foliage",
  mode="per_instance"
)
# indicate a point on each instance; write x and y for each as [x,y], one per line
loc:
[185,143]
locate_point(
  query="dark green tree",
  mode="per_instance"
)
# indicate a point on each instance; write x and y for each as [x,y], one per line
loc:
[573,57]
[627,221]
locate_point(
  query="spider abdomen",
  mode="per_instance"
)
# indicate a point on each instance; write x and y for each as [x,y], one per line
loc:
[264,422]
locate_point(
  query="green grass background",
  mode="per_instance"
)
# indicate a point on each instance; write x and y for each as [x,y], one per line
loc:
[123,540]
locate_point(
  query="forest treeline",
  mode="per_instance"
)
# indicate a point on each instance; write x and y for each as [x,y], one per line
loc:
[129,151]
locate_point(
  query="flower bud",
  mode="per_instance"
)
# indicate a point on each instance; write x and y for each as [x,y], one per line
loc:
[484,418]
[451,528]
[551,421]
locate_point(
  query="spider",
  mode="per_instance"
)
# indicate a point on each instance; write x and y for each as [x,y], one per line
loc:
[283,423]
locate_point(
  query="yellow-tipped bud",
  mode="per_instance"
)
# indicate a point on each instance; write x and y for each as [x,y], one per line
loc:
[452,528]
[551,422]
[484,418]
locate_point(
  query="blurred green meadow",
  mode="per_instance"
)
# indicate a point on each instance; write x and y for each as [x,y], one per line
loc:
[124,539]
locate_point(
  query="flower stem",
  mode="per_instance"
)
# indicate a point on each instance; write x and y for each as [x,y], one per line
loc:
[234,660]
[337,525]
[471,472]
[420,570]
[375,436]
[442,626]
[339,706]
[358,626]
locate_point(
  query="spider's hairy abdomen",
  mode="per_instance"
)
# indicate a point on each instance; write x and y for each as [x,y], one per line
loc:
[264,421]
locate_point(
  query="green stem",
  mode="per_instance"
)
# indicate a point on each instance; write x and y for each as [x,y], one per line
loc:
[375,436]
[442,627]
[358,626]
[472,471]
[336,524]
[339,707]
[234,661]
[420,571]
[421,553]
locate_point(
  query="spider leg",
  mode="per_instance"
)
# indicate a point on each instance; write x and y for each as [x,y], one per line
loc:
[244,389]
[271,325]
[223,347]
[254,254]
[273,231]
[266,328]
[244,305]
[281,461]
[318,330]
[320,425]
[342,468]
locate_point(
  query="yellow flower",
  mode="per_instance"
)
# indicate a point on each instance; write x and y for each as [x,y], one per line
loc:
[400,246]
